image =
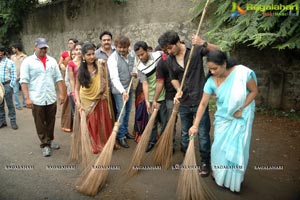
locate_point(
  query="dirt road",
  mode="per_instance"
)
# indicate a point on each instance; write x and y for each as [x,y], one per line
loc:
[275,143]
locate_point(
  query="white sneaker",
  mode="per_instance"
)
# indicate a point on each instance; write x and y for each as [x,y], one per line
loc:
[54,145]
[46,151]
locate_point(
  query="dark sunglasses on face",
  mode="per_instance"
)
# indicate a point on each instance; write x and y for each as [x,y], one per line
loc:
[44,48]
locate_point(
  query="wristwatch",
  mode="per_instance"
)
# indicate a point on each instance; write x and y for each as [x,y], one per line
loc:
[205,44]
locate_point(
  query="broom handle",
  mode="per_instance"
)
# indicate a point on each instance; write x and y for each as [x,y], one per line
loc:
[128,90]
[192,50]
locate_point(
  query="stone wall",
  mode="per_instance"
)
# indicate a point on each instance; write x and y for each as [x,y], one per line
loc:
[85,19]
[278,72]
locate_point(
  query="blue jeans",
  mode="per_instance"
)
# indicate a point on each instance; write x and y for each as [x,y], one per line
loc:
[187,114]
[16,97]
[160,118]
[123,129]
[169,105]
[8,97]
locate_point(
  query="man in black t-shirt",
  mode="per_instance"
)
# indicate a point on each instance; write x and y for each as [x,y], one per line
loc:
[163,80]
[191,93]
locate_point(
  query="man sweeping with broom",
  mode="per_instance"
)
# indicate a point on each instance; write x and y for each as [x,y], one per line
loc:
[120,64]
[147,75]
[191,95]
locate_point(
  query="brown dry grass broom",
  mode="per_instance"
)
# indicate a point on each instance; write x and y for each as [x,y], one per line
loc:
[141,146]
[86,151]
[163,152]
[189,186]
[94,176]
[75,152]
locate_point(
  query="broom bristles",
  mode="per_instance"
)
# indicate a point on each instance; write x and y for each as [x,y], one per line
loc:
[94,176]
[141,146]
[164,151]
[75,149]
[190,186]
[189,182]
[87,155]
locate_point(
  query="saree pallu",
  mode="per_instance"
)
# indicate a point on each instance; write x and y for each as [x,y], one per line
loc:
[97,104]
[230,149]
[141,114]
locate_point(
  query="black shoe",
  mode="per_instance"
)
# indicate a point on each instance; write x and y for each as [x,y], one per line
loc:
[129,136]
[123,143]
[3,125]
[14,126]
[205,170]
[149,147]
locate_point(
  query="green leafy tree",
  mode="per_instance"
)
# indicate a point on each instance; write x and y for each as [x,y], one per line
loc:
[279,29]
[11,14]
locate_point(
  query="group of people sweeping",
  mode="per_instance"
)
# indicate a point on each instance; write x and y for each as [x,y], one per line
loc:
[100,99]
[234,86]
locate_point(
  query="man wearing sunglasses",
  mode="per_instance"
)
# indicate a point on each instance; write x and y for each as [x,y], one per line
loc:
[39,76]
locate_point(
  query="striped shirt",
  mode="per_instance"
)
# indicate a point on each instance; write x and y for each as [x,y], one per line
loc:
[146,72]
[8,71]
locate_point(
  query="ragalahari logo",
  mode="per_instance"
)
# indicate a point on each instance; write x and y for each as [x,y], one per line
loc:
[237,10]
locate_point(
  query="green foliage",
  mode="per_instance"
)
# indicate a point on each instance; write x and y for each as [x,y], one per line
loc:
[11,14]
[252,28]
[212,104]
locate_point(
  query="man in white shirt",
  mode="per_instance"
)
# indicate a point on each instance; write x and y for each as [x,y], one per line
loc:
[39,76]
[120,66]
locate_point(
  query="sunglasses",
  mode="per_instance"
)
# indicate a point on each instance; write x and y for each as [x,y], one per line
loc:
[44,48]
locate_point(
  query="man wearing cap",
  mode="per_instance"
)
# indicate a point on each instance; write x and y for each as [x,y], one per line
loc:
[8,79]
[39,75]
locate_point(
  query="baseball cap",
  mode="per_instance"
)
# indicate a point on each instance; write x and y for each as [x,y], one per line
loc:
[41,43]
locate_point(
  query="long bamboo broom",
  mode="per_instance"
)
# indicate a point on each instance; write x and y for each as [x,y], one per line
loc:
[189,186]
[86,151]
[75,141]
[163,152]
[94,177]
[141,146]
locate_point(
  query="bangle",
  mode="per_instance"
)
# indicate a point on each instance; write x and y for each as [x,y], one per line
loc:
[240,109]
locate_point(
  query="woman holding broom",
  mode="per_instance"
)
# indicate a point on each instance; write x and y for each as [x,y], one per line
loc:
[73,67]
[235,87]
[92,97]
[66,118]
